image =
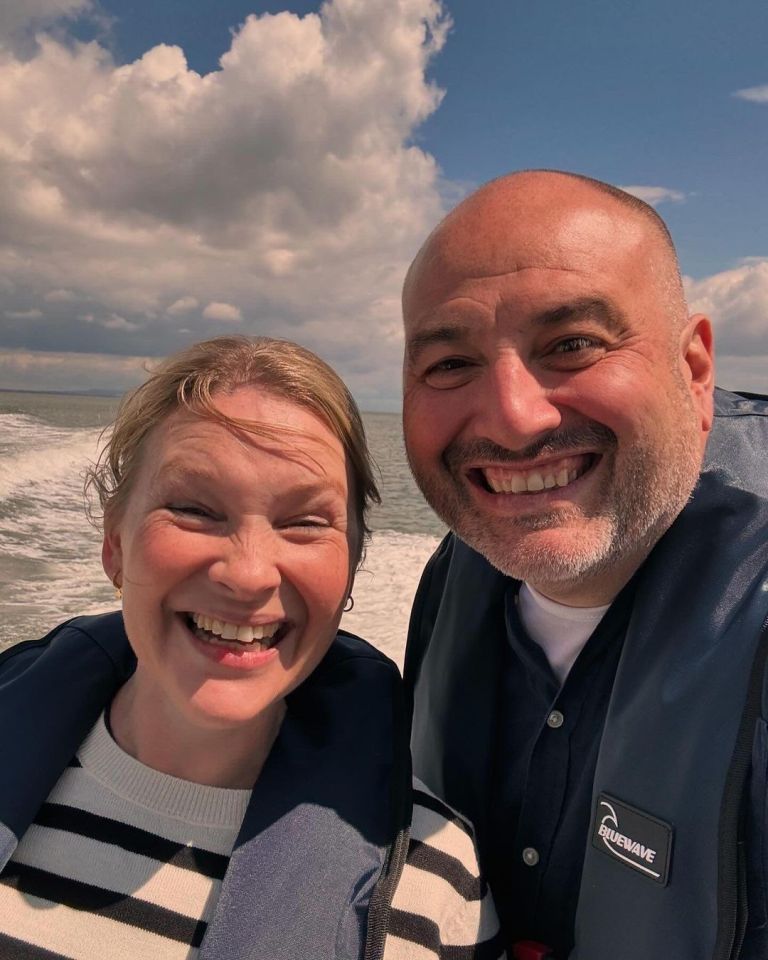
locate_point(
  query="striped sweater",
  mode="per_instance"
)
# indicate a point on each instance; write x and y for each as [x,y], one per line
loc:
[126,862]
[441,908]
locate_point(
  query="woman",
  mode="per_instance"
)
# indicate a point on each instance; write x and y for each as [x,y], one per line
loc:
[240,786]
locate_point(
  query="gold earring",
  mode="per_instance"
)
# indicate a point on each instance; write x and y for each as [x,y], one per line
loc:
[118,587]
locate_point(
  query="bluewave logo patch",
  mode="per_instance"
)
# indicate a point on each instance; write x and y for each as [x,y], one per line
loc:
[635,838]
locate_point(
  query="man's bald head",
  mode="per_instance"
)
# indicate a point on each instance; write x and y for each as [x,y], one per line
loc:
[490,214]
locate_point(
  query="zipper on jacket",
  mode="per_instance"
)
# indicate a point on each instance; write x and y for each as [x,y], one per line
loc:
[381,900]
[402,808]
[732,886]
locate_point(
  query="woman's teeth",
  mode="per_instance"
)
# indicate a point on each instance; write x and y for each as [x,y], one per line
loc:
[218,630]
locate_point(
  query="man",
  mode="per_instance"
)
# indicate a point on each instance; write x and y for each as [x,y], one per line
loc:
[587,646]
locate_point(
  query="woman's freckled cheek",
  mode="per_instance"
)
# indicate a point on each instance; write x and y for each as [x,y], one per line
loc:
[331,583]
[157,539]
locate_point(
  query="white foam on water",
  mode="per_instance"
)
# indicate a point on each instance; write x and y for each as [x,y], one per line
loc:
[42,511]
[50,554]
[38,457]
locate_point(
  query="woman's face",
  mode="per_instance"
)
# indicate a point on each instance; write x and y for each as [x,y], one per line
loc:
[234,554]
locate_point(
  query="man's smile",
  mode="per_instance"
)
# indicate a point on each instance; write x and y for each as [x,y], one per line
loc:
[547,475]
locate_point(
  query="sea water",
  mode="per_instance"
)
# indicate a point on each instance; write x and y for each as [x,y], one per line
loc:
[50,566]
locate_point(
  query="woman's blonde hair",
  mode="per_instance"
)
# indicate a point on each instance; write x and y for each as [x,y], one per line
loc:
[190,379]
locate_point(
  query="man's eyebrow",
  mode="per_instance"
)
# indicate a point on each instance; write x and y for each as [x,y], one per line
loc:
[582,308]
[445,333]
[586,308]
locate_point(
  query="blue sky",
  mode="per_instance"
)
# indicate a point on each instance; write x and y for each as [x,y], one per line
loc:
[122,171]
[631,93]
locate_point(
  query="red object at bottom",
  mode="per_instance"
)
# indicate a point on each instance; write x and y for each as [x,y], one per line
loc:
[530,950]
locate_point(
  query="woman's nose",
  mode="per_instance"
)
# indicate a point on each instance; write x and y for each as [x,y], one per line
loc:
[247,566]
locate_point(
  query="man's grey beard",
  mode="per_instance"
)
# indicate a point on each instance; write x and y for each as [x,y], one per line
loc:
[628,519]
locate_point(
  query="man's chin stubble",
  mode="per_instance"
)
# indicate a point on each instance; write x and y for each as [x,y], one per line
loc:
[578,553]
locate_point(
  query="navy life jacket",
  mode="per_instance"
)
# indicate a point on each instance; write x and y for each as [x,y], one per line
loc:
[676,858]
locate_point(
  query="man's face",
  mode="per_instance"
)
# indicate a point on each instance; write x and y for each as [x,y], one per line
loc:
[554,412]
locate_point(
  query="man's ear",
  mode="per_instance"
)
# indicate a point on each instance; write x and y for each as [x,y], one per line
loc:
[698,357]
[112,554]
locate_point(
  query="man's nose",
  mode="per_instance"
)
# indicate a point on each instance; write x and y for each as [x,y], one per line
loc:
[515,407]
[247,565]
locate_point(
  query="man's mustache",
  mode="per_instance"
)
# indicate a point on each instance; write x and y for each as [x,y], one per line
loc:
[458,453]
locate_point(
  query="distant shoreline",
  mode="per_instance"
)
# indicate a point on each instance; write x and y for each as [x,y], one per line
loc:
[116,394]
[66,393]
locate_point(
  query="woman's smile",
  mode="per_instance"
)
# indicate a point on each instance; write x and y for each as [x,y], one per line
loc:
[212,628]
[250,647]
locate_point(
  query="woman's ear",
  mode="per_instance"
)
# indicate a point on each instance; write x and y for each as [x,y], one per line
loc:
[112,554]
[698,357]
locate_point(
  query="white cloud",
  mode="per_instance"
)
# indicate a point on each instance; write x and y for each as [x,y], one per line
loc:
[59,296]
[224,312]
[116,322]
[655,195]
[182,305]
[111,322]
[753,94]
[20,15]
[286,182]
[736,300]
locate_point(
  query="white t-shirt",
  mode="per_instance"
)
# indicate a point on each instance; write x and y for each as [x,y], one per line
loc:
[560,631]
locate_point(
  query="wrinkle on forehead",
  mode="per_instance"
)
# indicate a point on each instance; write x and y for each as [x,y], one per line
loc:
[186,430]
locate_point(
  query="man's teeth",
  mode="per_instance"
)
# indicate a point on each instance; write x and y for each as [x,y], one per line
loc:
[243,633]
[559,474]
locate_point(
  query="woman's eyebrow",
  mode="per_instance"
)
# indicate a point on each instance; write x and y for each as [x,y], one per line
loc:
[175,470]
[313,490]
[182,471]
